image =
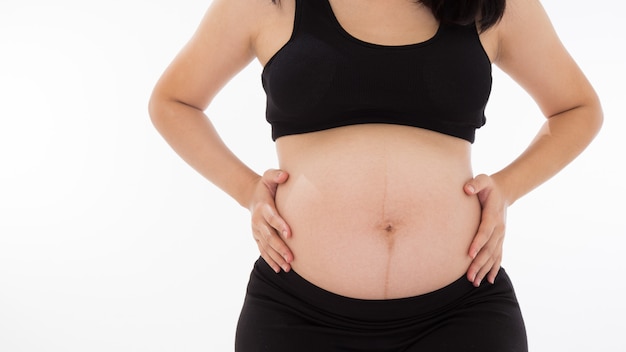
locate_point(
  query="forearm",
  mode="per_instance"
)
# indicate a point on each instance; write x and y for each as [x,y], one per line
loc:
[560,140]
[192,135]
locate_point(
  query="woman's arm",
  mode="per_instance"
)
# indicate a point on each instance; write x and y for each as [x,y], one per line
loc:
[223,44]
[530,51]
[532,54]
[217,51]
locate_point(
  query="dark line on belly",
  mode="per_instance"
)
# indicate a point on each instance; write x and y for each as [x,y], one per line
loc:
[388,267]
[387,228]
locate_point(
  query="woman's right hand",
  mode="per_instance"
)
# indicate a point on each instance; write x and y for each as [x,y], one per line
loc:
[269,229]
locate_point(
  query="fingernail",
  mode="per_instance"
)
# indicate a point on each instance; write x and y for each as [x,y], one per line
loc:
[285,233]
[471,188]
[473,278]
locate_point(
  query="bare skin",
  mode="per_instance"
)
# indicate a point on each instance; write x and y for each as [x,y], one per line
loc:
[378,211]
[393,216]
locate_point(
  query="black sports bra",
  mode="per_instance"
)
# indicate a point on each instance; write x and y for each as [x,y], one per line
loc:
[324,78]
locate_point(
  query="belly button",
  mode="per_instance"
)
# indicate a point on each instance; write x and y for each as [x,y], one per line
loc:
[389,229]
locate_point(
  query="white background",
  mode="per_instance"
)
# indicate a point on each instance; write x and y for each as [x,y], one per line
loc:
[109,242]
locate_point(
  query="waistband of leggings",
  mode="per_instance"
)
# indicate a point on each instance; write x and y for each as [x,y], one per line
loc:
[297,288]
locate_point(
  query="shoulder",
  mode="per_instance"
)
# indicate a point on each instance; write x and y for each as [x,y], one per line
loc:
[222,45]
[530,51]
[259,20]
[274,27]
[523,20]
[242,15]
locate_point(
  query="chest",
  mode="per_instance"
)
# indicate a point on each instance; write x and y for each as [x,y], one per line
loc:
[450,71]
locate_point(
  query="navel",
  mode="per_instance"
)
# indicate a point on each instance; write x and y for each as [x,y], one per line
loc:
[388,229]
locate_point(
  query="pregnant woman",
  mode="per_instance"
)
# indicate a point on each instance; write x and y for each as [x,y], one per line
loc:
[375,234]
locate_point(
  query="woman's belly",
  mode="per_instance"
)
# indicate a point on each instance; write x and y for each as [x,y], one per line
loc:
[378,211]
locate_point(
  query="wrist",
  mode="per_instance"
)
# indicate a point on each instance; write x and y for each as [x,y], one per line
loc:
[247,190]
[505,187]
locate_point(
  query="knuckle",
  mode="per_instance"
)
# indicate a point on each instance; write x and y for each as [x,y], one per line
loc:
[279,259]
[482,259]
[271,242]
[488,250]
[485,240]
[475,267]
[271,217]
[485,231]
[267,234]
[280,247]
[257,208]
[262,246]
[268,210]
[484,270]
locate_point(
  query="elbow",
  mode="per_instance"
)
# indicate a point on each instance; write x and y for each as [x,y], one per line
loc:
[164,106]
[159,109]
[595,116]
[155,107]
[588,117]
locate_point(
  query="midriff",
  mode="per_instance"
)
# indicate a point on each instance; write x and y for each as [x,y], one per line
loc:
[378,211]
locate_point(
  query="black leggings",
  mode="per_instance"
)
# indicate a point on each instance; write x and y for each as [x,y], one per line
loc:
[285,313]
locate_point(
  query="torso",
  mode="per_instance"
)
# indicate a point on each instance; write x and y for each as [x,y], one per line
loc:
[377,211]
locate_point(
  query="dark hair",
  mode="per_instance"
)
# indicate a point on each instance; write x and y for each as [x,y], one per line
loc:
[463,11]
[489,12]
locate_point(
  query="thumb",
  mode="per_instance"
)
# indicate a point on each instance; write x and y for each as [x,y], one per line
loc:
[275,176]
[476,185]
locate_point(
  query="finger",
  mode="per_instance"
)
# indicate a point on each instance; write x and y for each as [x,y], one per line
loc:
[277,245]
[477,266]
[274,259]
[278,259]
[267,237]
[271,216]
[494,271]
[273,177]
[268,259]
[490,270]
[274,250]
[477,184]
[485,268]
[487,262]
[489,224]
[481,258]
[484,233]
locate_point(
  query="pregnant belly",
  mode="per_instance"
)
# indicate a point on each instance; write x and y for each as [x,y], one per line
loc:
[378,218]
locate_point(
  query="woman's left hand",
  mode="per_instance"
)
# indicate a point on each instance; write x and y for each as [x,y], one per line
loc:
[486,248]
